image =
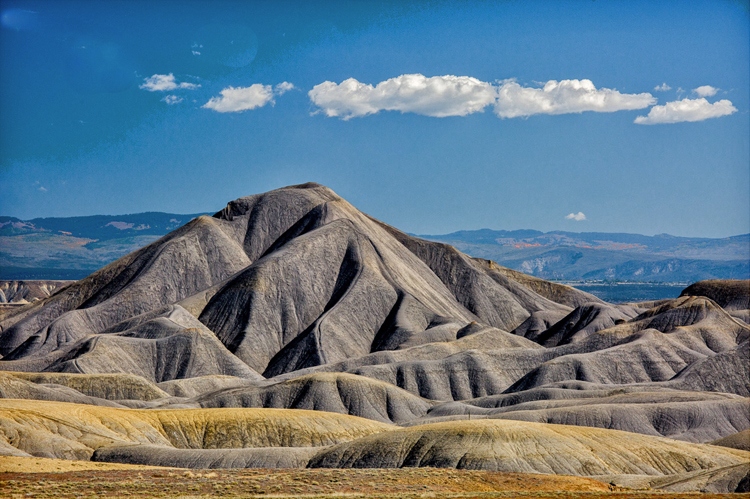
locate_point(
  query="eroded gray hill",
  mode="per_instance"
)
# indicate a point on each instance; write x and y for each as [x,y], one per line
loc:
[294,299]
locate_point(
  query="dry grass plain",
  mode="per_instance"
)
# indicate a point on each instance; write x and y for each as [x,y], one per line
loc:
[41,478]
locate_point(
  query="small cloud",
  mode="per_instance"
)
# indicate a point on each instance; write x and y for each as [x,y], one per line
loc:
[172,99]
[236,100]
[705,91]
[563,97]
[662,88]
[195,52]
[680,91]
[42,188]
[686,110]
[283,87]
[163,83]
[576,216]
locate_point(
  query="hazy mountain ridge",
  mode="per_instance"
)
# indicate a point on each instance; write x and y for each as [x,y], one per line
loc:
[73,247]
[608,256]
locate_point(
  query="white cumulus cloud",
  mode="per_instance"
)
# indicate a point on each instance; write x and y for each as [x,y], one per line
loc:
[172,99]
[576,216]
[662,88]
[562,97]
[284,86]
[164,83]
[686,110]
[438,96]
[705,91]
[238,99]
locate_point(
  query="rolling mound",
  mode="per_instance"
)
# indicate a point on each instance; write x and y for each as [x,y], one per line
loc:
[739,440]
[500,445]
[332,392]
[73,431]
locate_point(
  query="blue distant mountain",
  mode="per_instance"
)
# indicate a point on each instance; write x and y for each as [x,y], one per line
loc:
[72,248]
[601,256]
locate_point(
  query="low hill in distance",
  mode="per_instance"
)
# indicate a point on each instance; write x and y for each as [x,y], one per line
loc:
[601,256]
[71,248]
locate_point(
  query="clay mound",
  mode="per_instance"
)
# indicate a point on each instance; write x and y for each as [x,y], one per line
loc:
[728,371]
[72,431]
[465,375]
[539,322]
[729,294]
[261,457]
[739,440]
[103,386]
[693,421]
[645,357]
[192,387]
[688,416]
[579,324]
[515,446]
[657,345]
[332,392]
[162,345]
[14,387]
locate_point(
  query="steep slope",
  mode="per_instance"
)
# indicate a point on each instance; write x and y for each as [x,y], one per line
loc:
[178,265]
[529,447]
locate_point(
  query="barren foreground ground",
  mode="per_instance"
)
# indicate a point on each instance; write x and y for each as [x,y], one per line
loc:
[408,483]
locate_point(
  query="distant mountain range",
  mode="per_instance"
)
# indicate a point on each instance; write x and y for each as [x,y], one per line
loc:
[72,248]
[592,256]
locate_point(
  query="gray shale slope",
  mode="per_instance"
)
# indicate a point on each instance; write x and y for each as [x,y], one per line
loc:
[294,299]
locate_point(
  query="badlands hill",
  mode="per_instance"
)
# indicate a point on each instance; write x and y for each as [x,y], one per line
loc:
[292,330]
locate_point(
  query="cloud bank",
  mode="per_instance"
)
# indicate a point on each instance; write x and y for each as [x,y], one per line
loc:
[438,96]
[442,96]
[576,216]
[686,110]
[238,99]
[164,83]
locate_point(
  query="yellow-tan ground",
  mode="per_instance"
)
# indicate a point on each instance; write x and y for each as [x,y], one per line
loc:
[392,483]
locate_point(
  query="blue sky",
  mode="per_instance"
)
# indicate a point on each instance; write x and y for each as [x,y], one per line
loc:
[431,116]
